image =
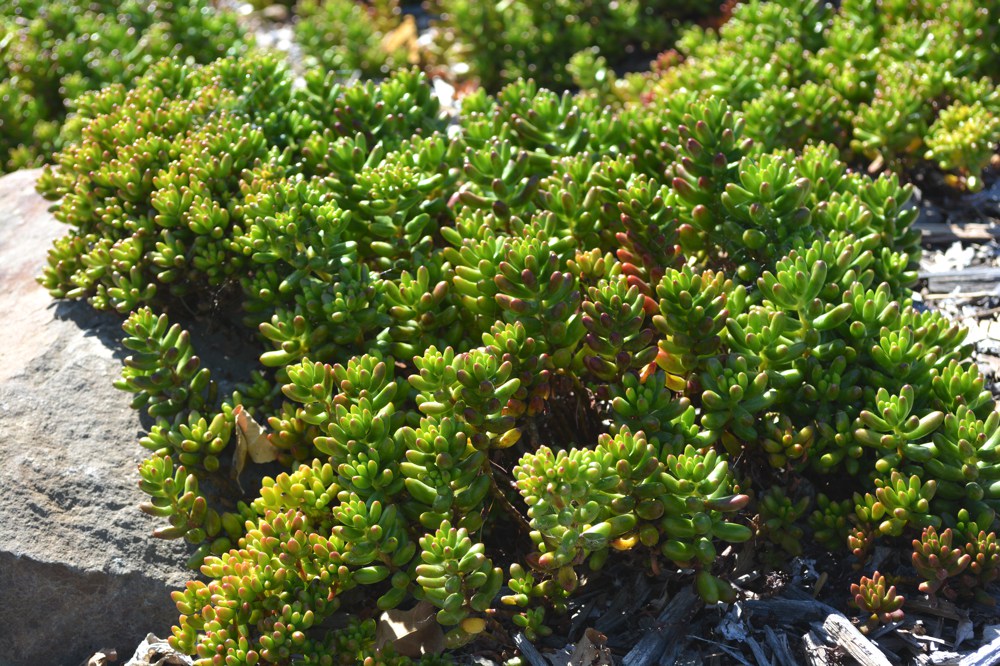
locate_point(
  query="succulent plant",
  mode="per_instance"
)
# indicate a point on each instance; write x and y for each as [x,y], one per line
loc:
[524,590]
[424,314]
[616,340]
[876,82]
[983,552]
[227,616]
[733,393]
[878,599]
[692,314]
[936,560]
[529,365]
[457,577]
[602,332]
[703,496]
[832,522]
[445,475]
[582,502]
[897,503]
[778,517]
[525,40]
[54,51]
[962,139]
[163,372]
[347,36]
[568,496]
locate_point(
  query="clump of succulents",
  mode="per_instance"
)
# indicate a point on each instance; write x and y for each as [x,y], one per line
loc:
[890,84]
[52,51]
[501,43]
[352,37]
[492,361]
[876,597]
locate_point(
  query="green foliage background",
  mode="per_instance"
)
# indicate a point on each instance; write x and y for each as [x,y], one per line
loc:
[903,83]
[51,51]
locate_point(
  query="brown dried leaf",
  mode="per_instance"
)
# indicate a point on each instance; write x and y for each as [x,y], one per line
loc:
[251,439]
[591,650]
[404,36]
[413,632]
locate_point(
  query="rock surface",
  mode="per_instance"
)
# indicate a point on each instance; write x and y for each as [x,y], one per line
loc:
[79,570]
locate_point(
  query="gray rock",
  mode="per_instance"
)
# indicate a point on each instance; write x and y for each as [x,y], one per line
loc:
[79,569]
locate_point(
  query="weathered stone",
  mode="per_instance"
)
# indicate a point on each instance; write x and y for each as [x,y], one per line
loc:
[79,569]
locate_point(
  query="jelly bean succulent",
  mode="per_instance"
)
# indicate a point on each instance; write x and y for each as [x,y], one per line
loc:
[52,51]
[878,599]
[498,358]
[936,561]
[983,551]
[872,78]
[348,37]
[523,39]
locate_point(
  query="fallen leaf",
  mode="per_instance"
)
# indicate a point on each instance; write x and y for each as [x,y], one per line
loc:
[591,650]
[404,36]
[413,632]
[251,439]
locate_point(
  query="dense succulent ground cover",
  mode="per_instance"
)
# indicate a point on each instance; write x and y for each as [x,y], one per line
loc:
[504,41]
[908,84]
[904,84]
[53,50]
[352,37]
[495,43]
[498,352]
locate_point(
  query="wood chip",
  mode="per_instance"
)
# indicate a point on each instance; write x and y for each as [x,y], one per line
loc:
[987,655]
[779,646]
[733,654]
[758,651]
[580,616]
[591,650]
[960,296]
[963,632]
[671,624]
[629,598]
[413,632]
[529,651]
[817,654]
[789,610]
[942,233]
[102,658]
[977,278]
[839,631]
[672,654]
[938,608]
[938,659]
